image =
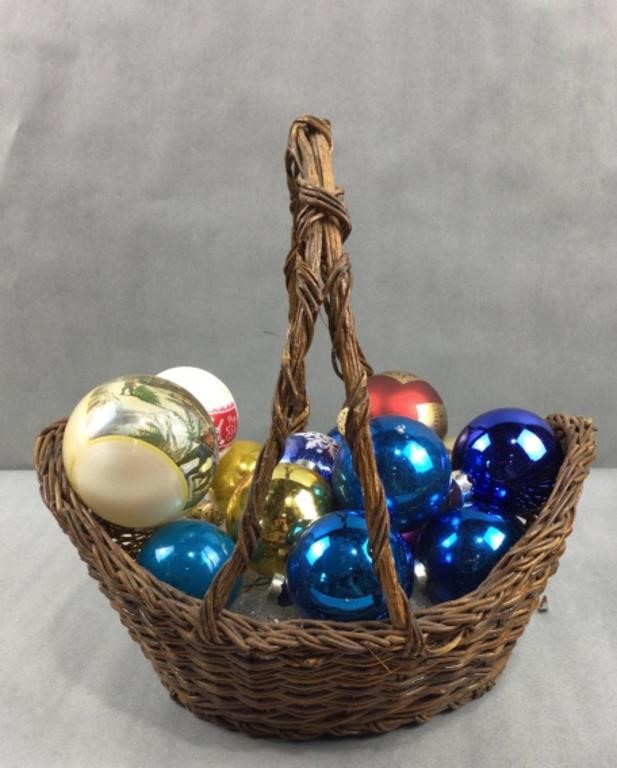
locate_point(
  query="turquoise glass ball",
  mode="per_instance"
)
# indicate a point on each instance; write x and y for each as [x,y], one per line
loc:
[187,554]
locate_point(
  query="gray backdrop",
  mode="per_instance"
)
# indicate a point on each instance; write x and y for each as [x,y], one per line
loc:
[144,215]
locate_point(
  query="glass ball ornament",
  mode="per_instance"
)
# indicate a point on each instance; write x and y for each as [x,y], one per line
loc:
[330,573]
[214,395]
[313,450]
[336,435]
[460,548]
[237,463]
[207,509]
[399,393]
[510,457]
[140,451]
[296,497]
[414,468]
[187,554]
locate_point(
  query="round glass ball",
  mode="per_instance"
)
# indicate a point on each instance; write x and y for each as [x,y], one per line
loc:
[187,554]
[413,466]
[460,548]
[330,573]
[510,457]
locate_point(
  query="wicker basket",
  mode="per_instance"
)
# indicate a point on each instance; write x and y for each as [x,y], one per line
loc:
[300,679]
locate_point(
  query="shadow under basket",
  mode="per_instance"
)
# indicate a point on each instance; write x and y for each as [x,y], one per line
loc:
[300,679]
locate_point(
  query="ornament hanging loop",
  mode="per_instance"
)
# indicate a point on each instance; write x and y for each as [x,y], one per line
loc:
[317,272]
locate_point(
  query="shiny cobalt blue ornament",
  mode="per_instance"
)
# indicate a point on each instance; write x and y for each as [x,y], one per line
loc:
[330,572]
[460,549]
[313,450]
[187,554]
[510,457]
[413,465]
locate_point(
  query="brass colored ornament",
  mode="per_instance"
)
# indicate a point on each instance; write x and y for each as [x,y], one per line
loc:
[208,510]
[297,496]
[341,420]
[237,463]
[449,443]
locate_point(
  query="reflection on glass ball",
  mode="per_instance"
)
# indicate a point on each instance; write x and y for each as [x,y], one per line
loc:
[140,451]
[330,570]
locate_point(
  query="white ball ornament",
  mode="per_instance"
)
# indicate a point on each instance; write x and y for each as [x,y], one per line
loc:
[214,396]
[140,451]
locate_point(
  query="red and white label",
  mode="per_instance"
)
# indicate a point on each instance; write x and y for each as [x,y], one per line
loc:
[225,422]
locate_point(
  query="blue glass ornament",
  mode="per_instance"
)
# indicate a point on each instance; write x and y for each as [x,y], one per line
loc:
[330,572]
[187,554]
[460,548]
[338,438]
[313,450]
[510,457]
[413,465]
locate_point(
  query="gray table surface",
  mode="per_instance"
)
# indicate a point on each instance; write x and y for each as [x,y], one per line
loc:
[76,690]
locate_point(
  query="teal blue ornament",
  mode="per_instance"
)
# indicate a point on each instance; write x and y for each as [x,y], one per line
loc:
[414,468]
[187,554]
[330,573]
[460,548]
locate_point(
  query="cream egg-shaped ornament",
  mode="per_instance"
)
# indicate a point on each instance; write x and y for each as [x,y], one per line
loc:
[140,451]
[214,395]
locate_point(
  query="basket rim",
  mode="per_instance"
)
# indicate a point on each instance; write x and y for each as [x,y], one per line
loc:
[450,620]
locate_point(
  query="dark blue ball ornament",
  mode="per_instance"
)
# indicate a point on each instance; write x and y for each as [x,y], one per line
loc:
[187,554]
[460,548]
[313,450]
[413,465]
[510,457]
[330,572]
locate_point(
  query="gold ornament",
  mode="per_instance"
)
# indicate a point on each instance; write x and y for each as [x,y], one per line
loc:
[235,464]
[296,497]
[207,509]
[140,451]
[449,443]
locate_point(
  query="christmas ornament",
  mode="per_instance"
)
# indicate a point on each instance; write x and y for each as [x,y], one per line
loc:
[336,435]
[237,463]
[296,496]
[140,451]
[449,441]
[414,468]
[208,510]
[510,457]
[313,450]
[330,572]
[187,554]
[460,548]
[398,393]
[411,538]
[214,396]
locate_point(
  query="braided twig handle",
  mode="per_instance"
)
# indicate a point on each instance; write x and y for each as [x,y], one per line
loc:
[317,271]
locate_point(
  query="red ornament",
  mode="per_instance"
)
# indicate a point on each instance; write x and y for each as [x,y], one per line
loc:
[405,394]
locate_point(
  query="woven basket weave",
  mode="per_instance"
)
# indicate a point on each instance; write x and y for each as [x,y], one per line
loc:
[300,679]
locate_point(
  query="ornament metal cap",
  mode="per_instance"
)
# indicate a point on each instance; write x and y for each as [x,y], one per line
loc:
[461,489]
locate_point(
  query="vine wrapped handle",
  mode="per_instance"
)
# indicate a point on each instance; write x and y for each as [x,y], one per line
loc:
[317,273]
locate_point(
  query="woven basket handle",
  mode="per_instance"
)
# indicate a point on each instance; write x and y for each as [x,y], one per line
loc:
[317,272]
